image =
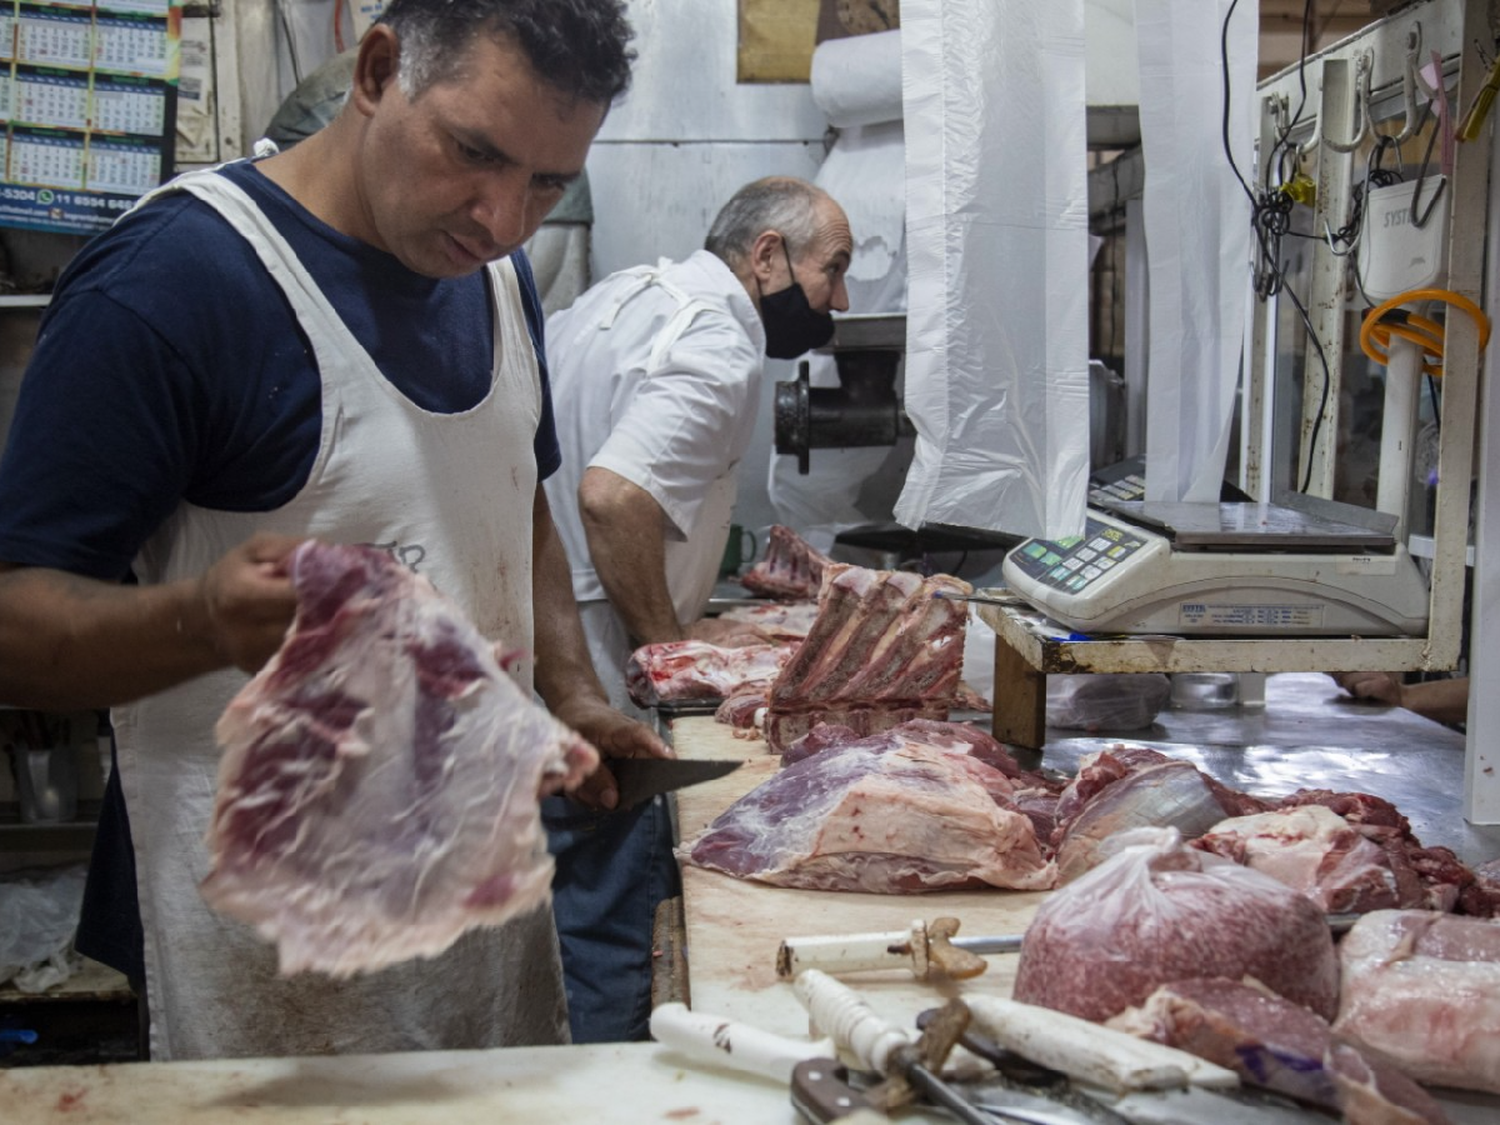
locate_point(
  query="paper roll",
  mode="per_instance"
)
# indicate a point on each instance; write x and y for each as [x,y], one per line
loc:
[857,81]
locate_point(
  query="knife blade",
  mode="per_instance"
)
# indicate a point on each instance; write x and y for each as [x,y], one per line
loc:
[640,779]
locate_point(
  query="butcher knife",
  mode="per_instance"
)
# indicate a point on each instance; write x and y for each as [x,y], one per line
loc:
[640,779]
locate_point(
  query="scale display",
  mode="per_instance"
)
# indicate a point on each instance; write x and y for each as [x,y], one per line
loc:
[1230,570]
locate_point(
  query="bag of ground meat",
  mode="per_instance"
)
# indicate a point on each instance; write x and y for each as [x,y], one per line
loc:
[1157,911]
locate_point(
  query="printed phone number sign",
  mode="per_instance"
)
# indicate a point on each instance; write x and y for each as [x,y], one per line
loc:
[89,94]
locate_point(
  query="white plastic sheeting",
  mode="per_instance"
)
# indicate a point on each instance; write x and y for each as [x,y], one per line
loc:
[997,324]
[1197,220]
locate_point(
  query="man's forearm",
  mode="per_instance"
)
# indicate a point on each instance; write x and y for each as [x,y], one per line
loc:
[1444,701]
[73,643]
[627,544]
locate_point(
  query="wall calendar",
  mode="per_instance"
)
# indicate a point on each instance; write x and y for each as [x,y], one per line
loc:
[88,96]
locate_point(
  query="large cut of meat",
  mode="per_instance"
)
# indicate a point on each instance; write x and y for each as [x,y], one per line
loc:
[1313,850]
[378,790]
[1135,787]
[674,671]
[791,569]
[1278,1045]
[886,647]
[1157,911]
[914,808]
[1421,990]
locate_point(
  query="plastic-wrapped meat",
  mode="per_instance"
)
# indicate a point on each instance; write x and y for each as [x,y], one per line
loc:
[1421,991]
[897,812]
[885,649]
[1156,911]
[1313,850]
[791,570]
[378,791]
[1134,787]
[1275,1044]
[674,671]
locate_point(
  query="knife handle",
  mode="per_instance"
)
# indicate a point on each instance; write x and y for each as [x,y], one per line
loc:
[714,1039]
[840,1012]
[852,953]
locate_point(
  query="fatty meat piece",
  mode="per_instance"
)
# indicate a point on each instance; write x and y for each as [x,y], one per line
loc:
[784,620]
[377,795]
[1315,851]
[675,671]
[791,570]
[1156,911]
[1421,991]
[895,813]
[1277,1045]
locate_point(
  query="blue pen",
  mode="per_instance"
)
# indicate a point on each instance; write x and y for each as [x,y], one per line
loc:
[16,1035]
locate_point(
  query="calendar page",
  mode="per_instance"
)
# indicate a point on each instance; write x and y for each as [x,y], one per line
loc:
[89,95]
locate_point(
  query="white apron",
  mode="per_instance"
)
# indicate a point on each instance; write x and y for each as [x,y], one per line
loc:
[451,496]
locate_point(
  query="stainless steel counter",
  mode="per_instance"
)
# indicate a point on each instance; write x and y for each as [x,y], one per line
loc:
[1310,735]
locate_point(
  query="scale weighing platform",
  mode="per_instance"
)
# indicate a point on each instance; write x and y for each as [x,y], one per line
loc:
[1225,570]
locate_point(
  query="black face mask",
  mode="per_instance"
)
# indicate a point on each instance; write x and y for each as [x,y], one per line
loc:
[792,326]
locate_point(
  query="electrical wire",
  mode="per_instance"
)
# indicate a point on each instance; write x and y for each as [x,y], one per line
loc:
[1389,319]
[1271,214]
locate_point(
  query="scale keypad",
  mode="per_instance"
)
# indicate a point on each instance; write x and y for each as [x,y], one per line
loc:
[1072,564]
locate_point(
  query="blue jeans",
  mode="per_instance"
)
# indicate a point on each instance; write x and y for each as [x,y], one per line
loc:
[613,870]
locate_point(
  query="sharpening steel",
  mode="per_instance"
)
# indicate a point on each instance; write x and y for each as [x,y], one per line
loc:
[922,947]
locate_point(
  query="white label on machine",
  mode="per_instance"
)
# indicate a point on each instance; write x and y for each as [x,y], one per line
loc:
[1200,614]
[1366,564]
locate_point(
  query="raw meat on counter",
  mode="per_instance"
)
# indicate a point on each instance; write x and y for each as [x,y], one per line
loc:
[923,806]
[674,671]
[378,790]
[1351,852]
[1421,990]
[1135,787]
[1157,911]
[791,570]
[782,620]
[886,648]
[1275,1044]
[1313,850]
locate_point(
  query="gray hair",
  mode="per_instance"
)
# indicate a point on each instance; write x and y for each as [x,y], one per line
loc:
[579,47]
[781,203]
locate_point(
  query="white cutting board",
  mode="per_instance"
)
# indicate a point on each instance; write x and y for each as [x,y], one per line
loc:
[625,1083]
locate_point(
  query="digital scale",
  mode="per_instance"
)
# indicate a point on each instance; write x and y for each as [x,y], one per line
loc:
[1302,567]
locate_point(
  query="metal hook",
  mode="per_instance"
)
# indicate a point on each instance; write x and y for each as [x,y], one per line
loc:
[1409,80]
[1362,68]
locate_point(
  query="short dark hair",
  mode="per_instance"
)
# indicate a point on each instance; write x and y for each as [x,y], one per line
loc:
[579,47]
[784,204]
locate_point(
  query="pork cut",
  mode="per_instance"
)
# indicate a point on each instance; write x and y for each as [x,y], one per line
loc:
[1156,911]
[886,647]
[910,809]
[377,794]
[791,570]
[1421,990]
[1275,1044]
[674,671]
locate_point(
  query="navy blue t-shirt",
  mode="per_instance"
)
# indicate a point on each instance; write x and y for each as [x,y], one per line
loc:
[170,367]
